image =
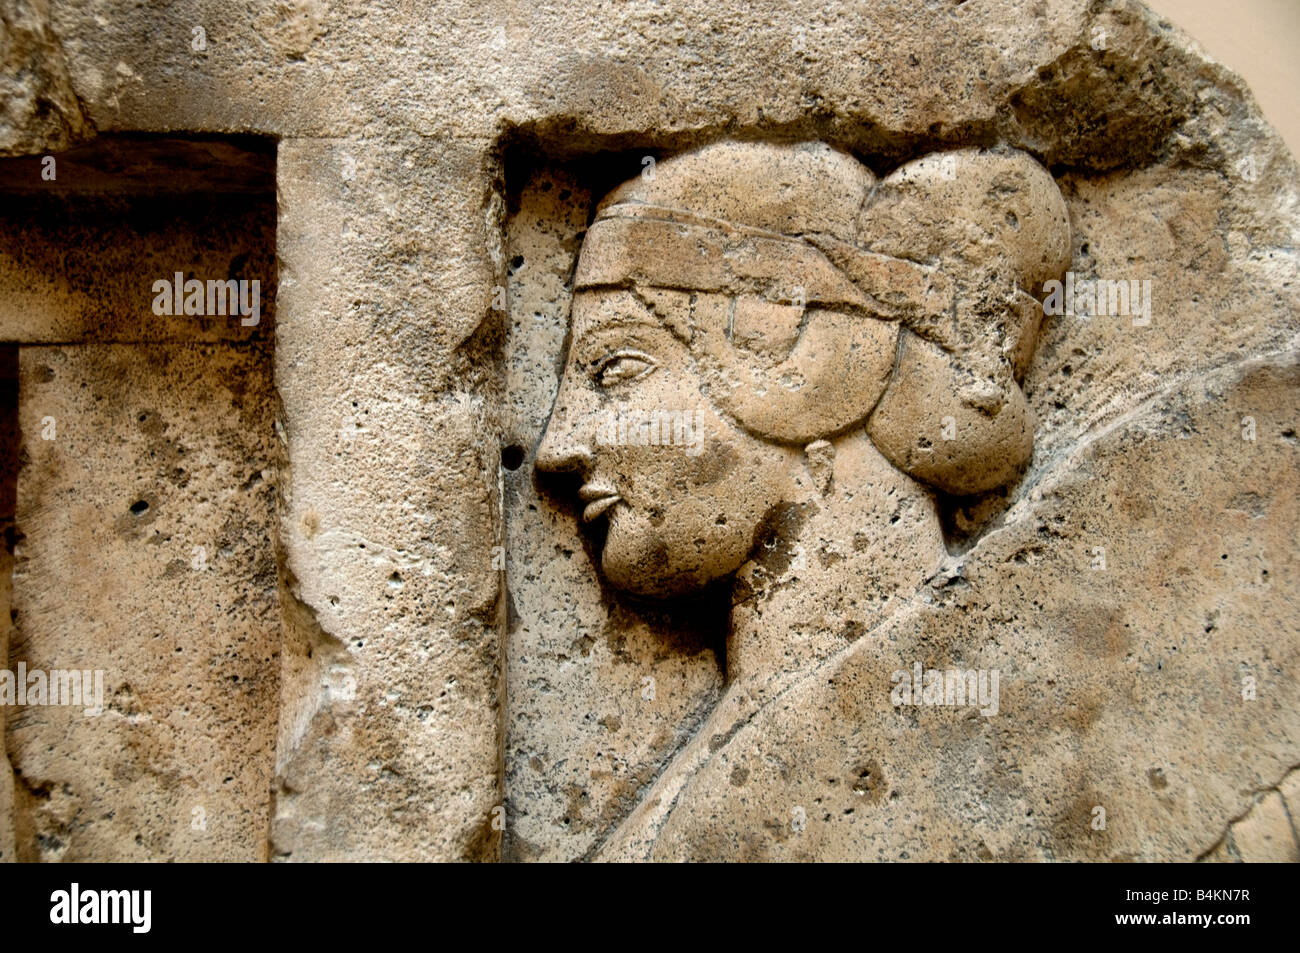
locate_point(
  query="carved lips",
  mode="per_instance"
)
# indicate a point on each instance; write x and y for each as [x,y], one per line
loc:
[598,499]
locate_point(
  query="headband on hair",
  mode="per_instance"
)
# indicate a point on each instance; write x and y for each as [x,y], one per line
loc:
[945,252]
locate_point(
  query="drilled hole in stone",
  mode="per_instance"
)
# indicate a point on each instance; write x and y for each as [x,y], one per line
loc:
[512,457]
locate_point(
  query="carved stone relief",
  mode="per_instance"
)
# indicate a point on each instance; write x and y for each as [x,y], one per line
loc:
[787,411]
[668,431]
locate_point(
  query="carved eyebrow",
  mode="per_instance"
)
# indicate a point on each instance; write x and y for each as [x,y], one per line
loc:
[605,338]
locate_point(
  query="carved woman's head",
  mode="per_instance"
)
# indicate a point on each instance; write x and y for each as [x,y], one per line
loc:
[751,304]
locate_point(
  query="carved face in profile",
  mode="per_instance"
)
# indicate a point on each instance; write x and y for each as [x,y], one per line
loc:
[755,299]
[683,502]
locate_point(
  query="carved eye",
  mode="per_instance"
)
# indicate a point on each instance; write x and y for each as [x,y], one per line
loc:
[624,366]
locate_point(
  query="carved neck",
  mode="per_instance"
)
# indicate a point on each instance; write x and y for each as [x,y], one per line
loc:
[835,562]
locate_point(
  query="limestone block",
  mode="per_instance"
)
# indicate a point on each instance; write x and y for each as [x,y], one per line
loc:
[145,514]
[389,739]
[81,266]
[882,75]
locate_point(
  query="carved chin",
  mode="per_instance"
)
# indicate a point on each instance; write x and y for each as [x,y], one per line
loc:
[646,573]
[644,562]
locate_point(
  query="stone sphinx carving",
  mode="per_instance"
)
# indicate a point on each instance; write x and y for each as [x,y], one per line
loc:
[843,347]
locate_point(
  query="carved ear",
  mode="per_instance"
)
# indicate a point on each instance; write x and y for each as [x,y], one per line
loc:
[828,382]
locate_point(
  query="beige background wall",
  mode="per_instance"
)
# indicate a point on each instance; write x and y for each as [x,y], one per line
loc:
[1258,39]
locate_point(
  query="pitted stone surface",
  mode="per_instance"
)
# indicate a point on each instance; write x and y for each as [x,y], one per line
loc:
[146,554]
[466,669]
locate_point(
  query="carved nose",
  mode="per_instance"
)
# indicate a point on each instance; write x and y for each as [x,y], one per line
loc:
[561,449]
